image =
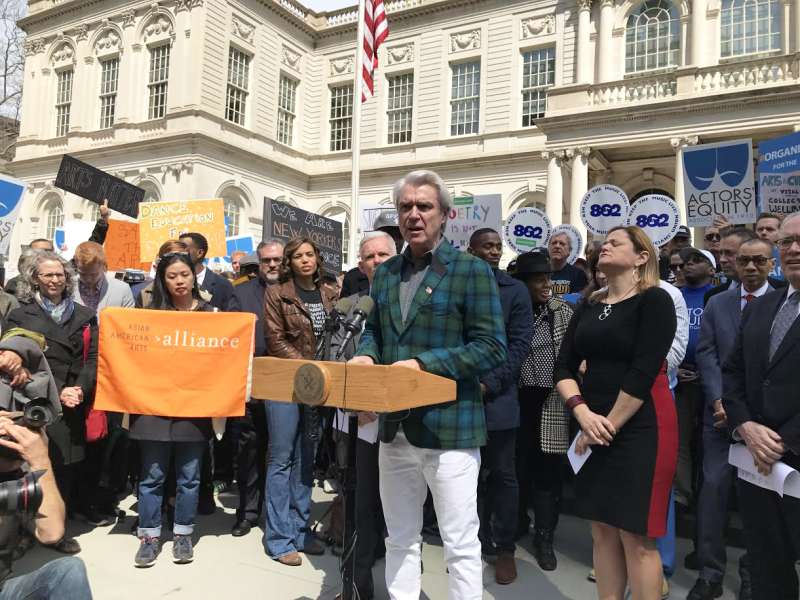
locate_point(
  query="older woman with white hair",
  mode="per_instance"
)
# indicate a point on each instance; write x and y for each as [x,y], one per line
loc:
[45,291]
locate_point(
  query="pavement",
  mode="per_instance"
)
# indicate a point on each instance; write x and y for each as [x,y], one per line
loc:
[226,567]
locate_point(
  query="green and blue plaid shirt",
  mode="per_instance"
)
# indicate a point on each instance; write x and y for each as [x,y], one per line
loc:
[455,328]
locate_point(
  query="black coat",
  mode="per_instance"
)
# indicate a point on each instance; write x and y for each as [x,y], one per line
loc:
[220,289]
[64,354]
[249,297]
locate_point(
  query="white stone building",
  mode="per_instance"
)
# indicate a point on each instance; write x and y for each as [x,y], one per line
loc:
[535,100]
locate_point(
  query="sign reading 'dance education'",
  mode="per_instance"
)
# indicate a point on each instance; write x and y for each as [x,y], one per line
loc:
[779,174]
[604,207]
[285,222]
[470,213]
[718,182]
[88,182]
[162,221]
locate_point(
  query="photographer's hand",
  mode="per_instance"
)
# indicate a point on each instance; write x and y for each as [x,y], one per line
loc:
[22,377]
[30,445]
[10,362]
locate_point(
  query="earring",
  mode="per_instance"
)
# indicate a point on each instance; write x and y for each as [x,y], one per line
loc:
[637,277]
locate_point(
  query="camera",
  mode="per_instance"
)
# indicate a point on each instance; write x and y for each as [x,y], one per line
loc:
[21,496]
[35,414]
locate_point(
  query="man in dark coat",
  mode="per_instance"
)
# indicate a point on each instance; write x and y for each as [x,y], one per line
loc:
[498,490]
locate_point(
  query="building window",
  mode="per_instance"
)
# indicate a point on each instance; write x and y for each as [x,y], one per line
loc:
[109,79]
[63,102]
[538,74]
[652,37]
[400,108]
[465,102]
[158,82]
[287,99]
[232,217]
[750,26]
[54,218]
[238,77]
[341,121]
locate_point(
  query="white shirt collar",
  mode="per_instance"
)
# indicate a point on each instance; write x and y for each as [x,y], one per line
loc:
[758,293]
[201,276]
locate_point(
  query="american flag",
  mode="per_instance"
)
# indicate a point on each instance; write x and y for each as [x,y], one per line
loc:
[376,30]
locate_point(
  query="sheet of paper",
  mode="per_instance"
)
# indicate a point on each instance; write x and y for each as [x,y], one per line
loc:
[575,460]
[783,479]
[368,432]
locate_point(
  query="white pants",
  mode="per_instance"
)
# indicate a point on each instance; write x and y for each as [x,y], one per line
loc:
[452,476]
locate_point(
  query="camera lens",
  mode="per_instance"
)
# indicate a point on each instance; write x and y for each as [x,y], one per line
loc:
[23,496]
[38,414]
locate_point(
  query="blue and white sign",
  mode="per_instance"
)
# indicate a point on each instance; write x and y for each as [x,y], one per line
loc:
[604,207]
[779,175]
[239,243]
[718,181]
[527,229]
[575,240]
[11,192]
[658,216]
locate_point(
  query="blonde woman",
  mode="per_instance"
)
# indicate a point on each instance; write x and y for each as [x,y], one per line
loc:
[626,414]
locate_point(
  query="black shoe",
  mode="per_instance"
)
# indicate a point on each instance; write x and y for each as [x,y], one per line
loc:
[206,504]
[241,528]
[692,561]
[704,590]
[148,552]
[746,588]
[543,550]
[66,546]
[313,548]
[182,551]
[98,519]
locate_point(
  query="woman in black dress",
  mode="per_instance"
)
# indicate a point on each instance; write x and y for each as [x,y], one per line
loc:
[626,414]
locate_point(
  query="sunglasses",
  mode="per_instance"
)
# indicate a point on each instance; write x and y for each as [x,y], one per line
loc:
[270,261]
[677,267]
[786,243]
[757,260]
[713,237]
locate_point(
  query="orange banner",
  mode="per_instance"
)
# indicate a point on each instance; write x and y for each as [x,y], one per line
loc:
[174,364]
[122,246]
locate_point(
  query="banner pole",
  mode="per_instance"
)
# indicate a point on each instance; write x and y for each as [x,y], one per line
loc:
[355,217]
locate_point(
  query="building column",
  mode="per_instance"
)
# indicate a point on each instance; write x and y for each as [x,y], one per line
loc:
[605,50]
[585,71]
[579,185]
[787,26]
[555,187]
[698,32]
[678,144]
[796,27]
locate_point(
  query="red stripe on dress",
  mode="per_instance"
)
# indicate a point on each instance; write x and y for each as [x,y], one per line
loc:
[666,455]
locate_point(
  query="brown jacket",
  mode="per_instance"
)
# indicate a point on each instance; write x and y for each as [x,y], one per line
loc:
[287,323]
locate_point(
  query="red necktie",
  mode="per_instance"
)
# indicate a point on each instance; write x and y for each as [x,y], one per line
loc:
[748,297]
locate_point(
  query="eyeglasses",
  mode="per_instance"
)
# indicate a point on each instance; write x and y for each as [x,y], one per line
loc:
[712,237]
[48,276]
[744,260]
[677,267]
[786,243]
[270,261]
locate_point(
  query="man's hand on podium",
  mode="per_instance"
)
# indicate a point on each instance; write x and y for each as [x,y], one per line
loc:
[411,363]
[361,360]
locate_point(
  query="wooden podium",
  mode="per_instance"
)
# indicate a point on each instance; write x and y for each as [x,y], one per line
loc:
[377,388]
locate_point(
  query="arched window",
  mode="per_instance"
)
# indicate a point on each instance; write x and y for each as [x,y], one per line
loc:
[652,37]
[53,217]
[233,211]
[532,200]
[151,193]
[338,214]
[648,192]
[750,26]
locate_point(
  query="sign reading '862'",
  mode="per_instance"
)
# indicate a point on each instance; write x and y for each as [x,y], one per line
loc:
[604,207]
[527,229]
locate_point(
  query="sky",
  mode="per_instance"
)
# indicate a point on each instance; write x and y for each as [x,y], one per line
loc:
[321,5]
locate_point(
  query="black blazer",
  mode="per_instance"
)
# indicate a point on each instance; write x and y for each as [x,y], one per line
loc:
[249,297]
[220,289]
[755,388]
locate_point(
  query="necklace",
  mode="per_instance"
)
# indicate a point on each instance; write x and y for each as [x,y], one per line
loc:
[607,308]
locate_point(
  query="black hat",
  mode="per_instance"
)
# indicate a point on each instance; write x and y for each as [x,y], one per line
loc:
[683,232]
[532,263]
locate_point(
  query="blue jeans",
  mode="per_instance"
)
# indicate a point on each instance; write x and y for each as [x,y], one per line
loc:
[290,475]
[61,578]
[155,466]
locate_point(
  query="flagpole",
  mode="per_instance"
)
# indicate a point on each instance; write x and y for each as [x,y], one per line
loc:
[355,216]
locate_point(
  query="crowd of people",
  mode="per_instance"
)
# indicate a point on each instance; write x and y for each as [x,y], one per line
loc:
[649,362]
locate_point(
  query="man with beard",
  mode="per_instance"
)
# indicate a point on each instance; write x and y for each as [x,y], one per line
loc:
[567,278]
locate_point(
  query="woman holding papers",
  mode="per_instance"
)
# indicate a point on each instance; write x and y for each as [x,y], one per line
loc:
[626,414]
[295,313]
[163,440]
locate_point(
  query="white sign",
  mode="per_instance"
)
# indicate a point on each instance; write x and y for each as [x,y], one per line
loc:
[718,181]
[67,238]
[658,216]
[11,192]
[470,213]
[783,479]
[527,229]
[604,207]
[575,240]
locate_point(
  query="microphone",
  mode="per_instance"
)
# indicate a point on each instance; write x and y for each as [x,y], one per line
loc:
[353,325]
[342,307]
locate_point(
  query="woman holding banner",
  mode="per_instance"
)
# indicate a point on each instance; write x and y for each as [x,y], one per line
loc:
[164,438]
[295,313]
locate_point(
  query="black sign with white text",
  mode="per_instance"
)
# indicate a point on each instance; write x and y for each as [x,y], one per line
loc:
[88,182]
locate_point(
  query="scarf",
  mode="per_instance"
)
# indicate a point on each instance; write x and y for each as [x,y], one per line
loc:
[61,312]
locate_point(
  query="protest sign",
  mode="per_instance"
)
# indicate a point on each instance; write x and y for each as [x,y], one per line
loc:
[527,229]
[779,175]
[67,237]
[162,221]
[718,181]
[470,213]
[139,349]
[239,243]
[658,216]
[11,192]
[285,222]
[122,247]
[604,207]
[93,184]
[575,240]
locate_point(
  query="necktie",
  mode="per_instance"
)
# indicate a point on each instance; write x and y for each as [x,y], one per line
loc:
[783,321]
[748,297]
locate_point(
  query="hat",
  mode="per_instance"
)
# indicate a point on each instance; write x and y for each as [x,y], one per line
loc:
[683,232]
[251,258]
[687,253]
[532,263]
[388,218]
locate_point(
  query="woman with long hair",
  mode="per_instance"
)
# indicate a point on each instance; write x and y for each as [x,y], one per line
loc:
[626,413]
[295,313]
[162,439]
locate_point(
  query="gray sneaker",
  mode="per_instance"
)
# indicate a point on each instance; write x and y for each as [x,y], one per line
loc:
[182,551]
[148,552]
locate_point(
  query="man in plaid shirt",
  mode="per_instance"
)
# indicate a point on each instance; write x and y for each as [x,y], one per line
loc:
[438,310]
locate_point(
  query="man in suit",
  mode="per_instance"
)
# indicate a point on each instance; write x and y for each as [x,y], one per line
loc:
[220,288]
[249,433]
[438,310]
[761,397]
[97,289]
[717,336]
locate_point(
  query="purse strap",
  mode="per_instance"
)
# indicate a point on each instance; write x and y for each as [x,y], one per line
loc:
[87,339]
